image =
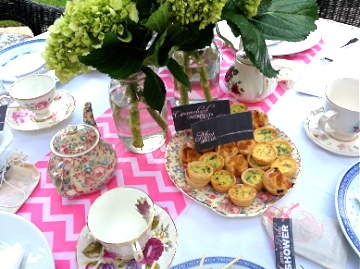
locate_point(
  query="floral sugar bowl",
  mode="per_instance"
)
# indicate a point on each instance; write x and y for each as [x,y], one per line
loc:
[81,161]
[246,82]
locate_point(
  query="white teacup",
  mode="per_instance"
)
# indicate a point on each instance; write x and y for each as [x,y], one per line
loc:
[121,219]
[35,93]
[341,118]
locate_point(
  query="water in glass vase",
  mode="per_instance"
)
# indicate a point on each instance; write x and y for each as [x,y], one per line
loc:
[136,121]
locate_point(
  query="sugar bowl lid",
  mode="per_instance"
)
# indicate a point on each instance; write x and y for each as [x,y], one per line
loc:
[74,140]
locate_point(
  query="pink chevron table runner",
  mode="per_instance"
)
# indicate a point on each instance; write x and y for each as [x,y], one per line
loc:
[61,219]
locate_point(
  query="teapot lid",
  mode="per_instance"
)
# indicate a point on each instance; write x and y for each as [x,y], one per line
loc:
[74,140]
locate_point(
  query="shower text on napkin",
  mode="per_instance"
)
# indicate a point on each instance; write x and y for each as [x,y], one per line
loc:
[283,241]
[222,130]
[186,115]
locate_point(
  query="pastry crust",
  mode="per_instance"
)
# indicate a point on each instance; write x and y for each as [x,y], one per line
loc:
[187,153]
[255,164]
[242,195]
[236,164]
[259,119]
[264,153]
[286,165]
[253,177]
[227,150]
[200,172]
[238,108]
[276,182]
[214,159]
[245,146]
[222,180]
[265,134]
[283,147]
[193,184]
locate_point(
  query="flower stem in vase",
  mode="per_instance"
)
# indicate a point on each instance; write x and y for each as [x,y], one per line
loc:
[182,88]
[135,116]
[203,76]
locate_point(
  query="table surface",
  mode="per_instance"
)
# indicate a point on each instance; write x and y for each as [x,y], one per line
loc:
[200,230]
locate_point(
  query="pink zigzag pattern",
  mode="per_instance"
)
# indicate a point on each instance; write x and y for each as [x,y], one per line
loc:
[61,219]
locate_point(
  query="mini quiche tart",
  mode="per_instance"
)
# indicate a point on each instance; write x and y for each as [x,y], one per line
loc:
[283,147]
[265,134]
[259,119]
[200,172]
[255,164]
[193,184]
[222,180]
[187,153]
[227,150]
[214,159]
[245,146]
[242,195]
[236,164]
[286,165]
[276,182]
[238,108]
[253,177]
[264,153]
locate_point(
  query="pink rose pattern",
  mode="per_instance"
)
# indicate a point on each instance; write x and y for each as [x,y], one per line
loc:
[152,251]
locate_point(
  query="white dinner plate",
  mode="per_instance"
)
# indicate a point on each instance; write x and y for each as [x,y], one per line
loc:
[21,58]
[15,229]
[275,47]
[347,203]
[217,262]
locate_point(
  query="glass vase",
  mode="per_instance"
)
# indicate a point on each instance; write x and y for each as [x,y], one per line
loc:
[140,128]
[203,70]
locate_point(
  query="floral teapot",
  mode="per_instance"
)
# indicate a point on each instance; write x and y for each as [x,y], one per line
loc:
[81,161]
[246,82]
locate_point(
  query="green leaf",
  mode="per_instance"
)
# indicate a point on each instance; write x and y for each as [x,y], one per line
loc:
[178,73]
[290,20]
[159,20]
[154,89]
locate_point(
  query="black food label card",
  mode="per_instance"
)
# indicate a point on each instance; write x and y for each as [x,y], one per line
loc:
[284,244]
[186,115]
[222,130]
[2,117]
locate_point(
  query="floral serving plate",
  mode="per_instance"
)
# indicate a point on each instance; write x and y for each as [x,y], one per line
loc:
[347,203]
[207,196]
[22,119]
[350,148]
[90,254]
[217,262]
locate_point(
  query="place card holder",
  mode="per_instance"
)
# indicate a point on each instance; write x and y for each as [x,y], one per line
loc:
[2,117]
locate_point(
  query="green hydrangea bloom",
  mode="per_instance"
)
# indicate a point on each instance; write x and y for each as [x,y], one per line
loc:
[83,26]
[249,7]
[204,12]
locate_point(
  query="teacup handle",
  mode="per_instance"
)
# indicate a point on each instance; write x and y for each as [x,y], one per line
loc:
[328,115]
[138,253]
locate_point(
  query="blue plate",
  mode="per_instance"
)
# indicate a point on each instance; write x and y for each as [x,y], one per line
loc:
[21,58]
[347,202]
[217,262]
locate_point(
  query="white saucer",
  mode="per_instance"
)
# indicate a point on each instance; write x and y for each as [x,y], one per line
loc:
[326,141]
[22,119]
[165,231]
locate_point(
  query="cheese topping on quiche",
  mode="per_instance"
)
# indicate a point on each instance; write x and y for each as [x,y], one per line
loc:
[223,178]
[265,134]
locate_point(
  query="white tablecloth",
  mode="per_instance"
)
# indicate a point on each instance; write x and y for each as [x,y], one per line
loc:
[200,230]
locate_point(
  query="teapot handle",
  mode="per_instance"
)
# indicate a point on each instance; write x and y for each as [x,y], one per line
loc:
[58,175]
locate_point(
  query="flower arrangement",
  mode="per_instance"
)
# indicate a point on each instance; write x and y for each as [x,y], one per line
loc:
[123,37]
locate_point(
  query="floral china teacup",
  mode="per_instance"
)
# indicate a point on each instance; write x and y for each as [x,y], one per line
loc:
[121,221]
[35,93]
[246,82]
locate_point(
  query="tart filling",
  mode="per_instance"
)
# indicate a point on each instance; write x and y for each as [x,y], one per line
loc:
[242,195]
[222,180]
[253,177]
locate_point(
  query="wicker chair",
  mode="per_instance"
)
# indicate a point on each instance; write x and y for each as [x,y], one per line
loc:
[344,11]
[38,17]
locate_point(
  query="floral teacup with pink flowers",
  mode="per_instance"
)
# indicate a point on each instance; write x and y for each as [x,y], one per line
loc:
[121,221]
[35,93]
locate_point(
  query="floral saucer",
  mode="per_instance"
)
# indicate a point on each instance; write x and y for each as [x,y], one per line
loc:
[22,119]
[90,254]
[220,202]
[327,142]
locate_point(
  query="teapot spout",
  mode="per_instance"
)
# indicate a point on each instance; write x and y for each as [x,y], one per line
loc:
[88,116]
